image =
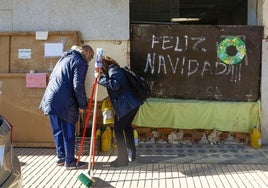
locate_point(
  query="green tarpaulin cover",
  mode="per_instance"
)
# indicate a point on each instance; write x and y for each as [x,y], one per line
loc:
[196,114]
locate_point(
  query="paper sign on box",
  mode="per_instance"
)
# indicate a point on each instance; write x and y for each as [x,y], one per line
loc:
[53,49]
[36,80]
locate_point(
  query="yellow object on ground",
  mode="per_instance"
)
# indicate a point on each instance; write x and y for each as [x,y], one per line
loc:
[197,114]
[136,137]
[107,112]
[106,140]
[98,133]
[114,144]
[255,138]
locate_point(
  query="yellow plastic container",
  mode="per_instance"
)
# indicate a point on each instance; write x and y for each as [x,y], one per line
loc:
[106,140]
[255,138]
[114,144]
[98,133]
[107,112]
[136,137]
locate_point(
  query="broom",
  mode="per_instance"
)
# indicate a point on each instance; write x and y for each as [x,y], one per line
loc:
[87,179]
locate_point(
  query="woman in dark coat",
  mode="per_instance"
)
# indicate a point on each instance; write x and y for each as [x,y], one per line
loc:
[64,99]
[125,106]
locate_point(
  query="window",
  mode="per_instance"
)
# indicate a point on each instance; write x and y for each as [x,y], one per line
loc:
[215,12]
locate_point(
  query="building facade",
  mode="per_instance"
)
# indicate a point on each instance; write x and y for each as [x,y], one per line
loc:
[106,24]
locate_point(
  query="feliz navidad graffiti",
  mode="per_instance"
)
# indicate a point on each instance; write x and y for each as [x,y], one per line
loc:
[227,63]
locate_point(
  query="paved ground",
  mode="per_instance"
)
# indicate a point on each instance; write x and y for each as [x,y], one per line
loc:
[157,165]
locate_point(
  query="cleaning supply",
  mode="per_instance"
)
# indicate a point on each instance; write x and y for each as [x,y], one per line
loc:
[106,140]
[255,137]
[98,133]
[114,144]
[136,137]
[107,112]
[87,179]
[98,140]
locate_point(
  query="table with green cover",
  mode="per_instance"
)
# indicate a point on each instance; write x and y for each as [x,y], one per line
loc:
[197,114]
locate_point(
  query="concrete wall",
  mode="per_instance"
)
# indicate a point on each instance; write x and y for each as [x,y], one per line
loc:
[103,23]
[263,17]
[97,20]
[264,92]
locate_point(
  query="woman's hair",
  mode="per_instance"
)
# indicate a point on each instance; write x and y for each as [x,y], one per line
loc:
[108,60]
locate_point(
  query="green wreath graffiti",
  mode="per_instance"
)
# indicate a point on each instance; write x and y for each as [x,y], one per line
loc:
[229,41]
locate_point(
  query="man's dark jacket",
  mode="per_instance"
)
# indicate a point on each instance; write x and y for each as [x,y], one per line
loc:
[65,92]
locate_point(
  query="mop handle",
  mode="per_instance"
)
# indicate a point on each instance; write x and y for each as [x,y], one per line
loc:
[93,134]
[86,120]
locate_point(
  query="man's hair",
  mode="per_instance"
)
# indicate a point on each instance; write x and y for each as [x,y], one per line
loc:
[82,48]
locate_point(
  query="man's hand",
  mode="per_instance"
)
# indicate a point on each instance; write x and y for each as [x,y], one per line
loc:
[81,110]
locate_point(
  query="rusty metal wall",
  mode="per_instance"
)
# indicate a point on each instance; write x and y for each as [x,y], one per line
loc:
[201,62]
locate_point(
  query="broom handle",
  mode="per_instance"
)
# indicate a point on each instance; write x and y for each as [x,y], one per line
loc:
[93,133]
[86,120]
